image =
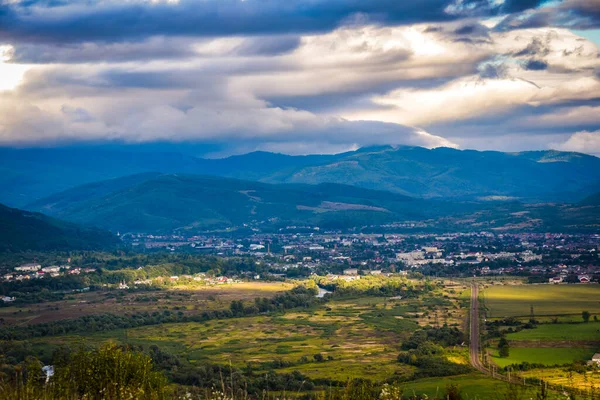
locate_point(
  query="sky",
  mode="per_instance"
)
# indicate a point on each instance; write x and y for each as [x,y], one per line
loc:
[301,76]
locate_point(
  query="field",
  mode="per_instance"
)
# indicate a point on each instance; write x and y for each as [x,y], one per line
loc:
[561,337]
[472,387]
[545,355]
[561,300]
[569,332]
[190,299]
[356,337]
[559,376]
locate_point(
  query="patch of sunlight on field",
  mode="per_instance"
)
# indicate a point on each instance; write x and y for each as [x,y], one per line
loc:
[507,301]
[559,376]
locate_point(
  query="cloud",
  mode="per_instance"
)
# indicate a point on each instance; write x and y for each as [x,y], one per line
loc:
[70,21]
[583,142]
[295,75]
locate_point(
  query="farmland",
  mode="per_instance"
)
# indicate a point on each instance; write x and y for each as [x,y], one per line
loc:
[546,300]
[555,335]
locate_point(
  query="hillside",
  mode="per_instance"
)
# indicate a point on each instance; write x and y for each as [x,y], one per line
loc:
[442,173]
[153,203]
[23,230]
[593,200]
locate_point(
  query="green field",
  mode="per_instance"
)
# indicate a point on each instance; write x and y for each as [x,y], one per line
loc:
[361,336]
[472,386]
[546,356]
[516,300]
[559,332]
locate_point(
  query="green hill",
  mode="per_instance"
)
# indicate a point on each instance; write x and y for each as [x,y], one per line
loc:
[152,203]
[23,230]
[442,173]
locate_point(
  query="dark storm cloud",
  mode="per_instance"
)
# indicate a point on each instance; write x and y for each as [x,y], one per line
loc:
[36,21]
[72,21]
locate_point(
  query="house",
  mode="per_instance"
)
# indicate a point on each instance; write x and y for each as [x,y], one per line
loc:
[32,267]
[375,272]
[7,299]
[556,279]
[52,268]
[583,279]
[595,360]
[351,271]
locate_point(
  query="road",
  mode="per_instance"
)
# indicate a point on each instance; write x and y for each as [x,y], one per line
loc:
[474,346]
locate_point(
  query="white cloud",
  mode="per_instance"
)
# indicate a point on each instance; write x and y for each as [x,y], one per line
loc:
[583,142]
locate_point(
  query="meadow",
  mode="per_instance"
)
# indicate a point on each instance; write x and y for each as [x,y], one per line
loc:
[188,298]
[557,300]
[560,338]
[339,340]
[545,355]
[570,332]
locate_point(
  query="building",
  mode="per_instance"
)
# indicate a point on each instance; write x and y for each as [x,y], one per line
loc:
[351,271]
[595,360]
[52,268]
[33,267]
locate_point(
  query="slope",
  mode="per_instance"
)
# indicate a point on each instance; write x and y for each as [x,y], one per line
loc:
[23,230]
[153,203]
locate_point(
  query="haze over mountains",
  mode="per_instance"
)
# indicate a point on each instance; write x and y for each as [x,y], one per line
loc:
[28,175]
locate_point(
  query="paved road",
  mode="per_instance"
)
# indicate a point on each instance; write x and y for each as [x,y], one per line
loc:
[474,346]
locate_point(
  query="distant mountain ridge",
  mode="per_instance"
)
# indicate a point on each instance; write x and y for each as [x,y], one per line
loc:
[30,174]
[23,230]
[165,203]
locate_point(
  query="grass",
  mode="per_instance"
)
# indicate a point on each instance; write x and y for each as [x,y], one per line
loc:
[547,356]
[559,332]
[516,300]
[191,299]
[362,336]
[559,376]
[472,386]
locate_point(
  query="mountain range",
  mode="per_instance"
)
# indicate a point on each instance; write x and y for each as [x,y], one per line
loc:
[161,203]
[28,175]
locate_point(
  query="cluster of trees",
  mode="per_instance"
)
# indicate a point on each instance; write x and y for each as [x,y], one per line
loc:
[300,296]
[424,350]
[375,286]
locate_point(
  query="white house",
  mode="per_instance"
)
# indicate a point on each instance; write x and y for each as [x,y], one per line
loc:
[351,271]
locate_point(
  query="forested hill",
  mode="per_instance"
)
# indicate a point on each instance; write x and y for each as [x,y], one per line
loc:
[23,230]
[442,173]
[153,203]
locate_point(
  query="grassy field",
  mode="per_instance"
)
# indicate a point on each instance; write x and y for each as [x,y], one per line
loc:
[546,356]
[559,332]
[190,299]
[516,300]
[472,387]
[559,376]
[357,337]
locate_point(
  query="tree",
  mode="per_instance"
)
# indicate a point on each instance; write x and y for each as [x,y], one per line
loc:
[503,347]
[452,392]
[586,316]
